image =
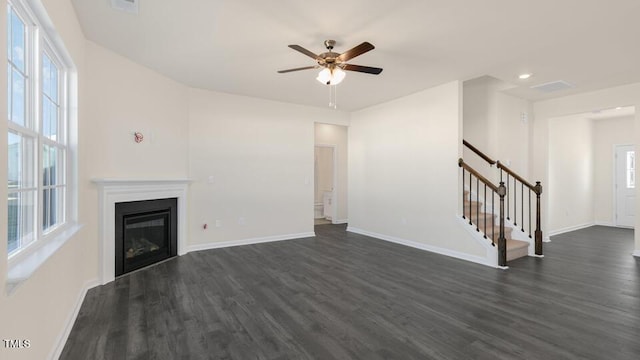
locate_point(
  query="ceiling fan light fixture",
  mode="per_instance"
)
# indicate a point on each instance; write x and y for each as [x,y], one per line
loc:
[331,76]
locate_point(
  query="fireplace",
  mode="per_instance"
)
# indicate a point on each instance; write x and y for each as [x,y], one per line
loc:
[146,232]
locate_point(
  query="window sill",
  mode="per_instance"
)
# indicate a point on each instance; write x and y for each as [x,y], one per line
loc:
[22,269]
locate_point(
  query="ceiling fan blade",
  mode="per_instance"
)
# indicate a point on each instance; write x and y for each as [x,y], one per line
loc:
[297,69]
[359,68]
[358,50]
[305,51]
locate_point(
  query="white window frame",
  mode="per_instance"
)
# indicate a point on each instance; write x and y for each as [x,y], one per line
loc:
[38,43]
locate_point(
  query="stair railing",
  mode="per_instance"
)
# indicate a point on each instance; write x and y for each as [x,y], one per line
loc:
[516,188]
[496,191]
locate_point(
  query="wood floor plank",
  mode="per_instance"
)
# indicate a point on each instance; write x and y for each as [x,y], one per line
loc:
[347,296]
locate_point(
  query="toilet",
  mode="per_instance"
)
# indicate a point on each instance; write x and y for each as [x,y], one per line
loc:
[318,210]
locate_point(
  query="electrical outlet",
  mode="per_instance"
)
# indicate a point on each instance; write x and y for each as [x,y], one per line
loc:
[218,223]
[242,221]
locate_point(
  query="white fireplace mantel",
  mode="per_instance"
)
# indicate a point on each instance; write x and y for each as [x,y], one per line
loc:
[114,191]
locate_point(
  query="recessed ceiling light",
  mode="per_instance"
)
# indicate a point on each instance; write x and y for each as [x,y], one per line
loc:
[619,108]
[524,76]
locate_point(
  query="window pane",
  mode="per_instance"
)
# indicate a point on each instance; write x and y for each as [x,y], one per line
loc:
[17,40]
[17,97]
[52,207]
[20,219]
[49,119]
[50,165]
[20,160]
[49,78]
[631,169]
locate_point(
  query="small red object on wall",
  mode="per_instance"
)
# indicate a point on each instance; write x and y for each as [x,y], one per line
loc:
[138,137]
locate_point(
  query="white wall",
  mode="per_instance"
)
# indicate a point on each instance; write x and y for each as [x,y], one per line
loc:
[323,172]
[259,156]
[493,124]
[571,172]
[607,133]
[403,173]
[329,134]
[124,98]
[544,111]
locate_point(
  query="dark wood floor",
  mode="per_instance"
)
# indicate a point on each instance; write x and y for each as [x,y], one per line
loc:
[346,296]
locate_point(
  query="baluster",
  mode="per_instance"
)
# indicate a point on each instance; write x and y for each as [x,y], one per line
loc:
[515,202]
[485,211]
[470,187]
[522,207]
[493,220]
[463,212]
[477,204]
[508,218]
[529,213]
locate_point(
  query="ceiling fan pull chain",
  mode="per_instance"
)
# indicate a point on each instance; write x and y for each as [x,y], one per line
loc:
[332,97]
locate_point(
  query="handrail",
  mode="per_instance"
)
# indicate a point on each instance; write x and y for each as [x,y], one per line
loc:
[464,165]
[517,177]
[479,153]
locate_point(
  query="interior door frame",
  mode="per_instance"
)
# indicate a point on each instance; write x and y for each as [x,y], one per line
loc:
[615,188]
[334,192]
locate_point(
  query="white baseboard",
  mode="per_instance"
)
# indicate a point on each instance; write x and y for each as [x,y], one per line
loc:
[343,221]
[422,246]
[224,244]
[604,223]
[71,319]
[569,229]
[636,253]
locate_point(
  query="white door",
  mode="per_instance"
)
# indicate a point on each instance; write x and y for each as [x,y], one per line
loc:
[625,185]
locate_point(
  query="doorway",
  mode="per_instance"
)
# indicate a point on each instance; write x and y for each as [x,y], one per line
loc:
[624,185]
[324,184]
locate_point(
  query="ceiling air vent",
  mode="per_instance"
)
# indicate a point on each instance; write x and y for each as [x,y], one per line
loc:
[553,86]
[130,6]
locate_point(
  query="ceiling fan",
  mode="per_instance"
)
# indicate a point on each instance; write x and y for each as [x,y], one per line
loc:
[333,64]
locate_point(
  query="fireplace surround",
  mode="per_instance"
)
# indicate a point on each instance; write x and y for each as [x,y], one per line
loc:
[112,191]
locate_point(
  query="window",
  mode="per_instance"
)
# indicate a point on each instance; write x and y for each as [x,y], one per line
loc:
[37,132]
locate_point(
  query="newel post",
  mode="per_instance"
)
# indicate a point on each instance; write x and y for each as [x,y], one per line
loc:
[502,242]
[538,232]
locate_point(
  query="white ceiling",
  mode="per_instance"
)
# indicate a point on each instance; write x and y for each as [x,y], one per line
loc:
[237,46]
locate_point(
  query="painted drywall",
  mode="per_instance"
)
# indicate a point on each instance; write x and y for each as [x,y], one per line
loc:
[606,134]
[323,172]
[544,111]
[403,173]
[252,164]
[571,173]
[329,134]
[493,122]
[41,308]
[124,98]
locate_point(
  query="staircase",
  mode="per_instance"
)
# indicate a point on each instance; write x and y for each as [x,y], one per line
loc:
[486,224]
[501,213]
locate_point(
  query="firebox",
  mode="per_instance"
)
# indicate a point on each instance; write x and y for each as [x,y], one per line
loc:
[146,233]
